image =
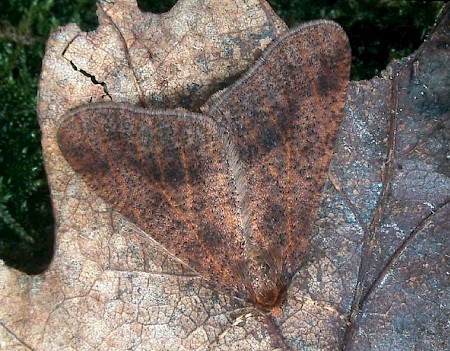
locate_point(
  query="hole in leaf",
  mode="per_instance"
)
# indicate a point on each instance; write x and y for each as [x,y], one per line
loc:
[156,6]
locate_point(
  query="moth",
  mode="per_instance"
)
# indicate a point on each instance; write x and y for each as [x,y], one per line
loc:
[233,191]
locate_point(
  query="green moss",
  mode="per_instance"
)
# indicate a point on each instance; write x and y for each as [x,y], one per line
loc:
[26,224]
[379,30]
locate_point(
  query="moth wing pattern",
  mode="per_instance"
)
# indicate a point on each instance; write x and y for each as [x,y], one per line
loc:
[167,172]
[284,115]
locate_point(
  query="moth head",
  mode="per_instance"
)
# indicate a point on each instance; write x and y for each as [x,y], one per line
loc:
[265,282]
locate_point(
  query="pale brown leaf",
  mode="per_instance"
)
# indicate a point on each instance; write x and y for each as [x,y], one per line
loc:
[377,275]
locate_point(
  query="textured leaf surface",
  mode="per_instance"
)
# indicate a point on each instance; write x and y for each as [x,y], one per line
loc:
[377,274]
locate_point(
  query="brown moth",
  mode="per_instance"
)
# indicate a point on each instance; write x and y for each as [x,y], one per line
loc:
[232,192]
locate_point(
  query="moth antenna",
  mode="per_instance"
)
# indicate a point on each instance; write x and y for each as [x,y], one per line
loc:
[239,185]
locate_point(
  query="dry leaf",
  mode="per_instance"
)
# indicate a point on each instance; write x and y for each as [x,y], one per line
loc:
[377,276]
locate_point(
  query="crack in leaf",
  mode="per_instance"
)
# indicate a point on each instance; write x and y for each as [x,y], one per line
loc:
[92,78]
